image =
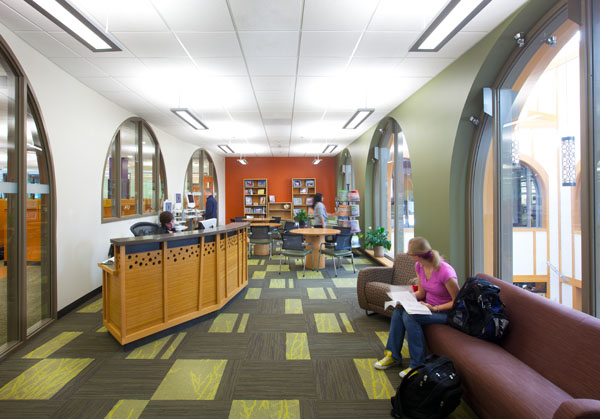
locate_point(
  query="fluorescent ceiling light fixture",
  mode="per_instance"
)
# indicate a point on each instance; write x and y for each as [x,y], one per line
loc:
[317,161]
[358,118]
[329,148]
[447,24]
[189,117]
[69,18]
[242,161]
[225,148]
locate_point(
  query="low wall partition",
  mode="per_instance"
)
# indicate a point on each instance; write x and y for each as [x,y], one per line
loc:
[160,281]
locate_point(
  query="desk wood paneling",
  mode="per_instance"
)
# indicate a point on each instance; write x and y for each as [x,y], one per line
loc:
[160,281]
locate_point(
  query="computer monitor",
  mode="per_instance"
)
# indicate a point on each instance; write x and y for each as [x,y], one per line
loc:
[208,224]
[167,206]
[178,202]
[191,201]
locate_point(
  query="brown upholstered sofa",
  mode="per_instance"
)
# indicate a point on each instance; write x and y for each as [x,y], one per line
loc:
[373,283]
[547,365]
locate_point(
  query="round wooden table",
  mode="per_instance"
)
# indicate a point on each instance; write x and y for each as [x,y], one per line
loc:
[315,236]
[263,249]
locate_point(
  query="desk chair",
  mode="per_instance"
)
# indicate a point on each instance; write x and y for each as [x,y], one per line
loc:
[292,247]
[144,228]
[260,235]
[343,247]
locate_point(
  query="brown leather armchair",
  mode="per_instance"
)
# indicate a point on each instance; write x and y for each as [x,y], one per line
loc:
[373,283]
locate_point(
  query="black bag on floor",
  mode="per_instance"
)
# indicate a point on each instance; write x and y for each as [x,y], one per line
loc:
[478,310]
[431,390]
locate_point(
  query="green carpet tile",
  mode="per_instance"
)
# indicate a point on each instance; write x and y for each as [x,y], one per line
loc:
[289,346]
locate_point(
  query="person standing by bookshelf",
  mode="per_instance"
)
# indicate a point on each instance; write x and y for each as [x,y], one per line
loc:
[211,205]
[319,212]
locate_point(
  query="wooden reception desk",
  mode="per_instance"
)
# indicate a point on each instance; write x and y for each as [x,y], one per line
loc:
[160,281]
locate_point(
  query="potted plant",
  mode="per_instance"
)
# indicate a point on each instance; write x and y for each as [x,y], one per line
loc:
[377,239]
[302,218]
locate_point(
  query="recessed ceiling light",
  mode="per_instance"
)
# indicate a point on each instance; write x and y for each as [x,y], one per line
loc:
[225,148]
[329,148]
[358,118]
[69,18]
[189,117]
[451,19]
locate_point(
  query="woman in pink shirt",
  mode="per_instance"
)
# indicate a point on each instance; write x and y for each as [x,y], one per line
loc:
[437,290]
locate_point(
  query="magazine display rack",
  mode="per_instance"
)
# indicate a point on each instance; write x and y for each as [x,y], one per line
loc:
[348,209]
[255,198]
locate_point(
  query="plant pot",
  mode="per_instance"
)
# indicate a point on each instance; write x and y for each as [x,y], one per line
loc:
[378,251]
[303,224]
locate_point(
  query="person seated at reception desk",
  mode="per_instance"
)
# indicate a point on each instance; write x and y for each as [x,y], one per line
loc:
[167,223]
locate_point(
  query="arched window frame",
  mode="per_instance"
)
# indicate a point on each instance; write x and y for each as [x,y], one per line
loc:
[26,103]
[159,179]
[189,185]
[540,178]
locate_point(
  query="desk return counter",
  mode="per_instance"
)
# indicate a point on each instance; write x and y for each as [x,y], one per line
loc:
[160,281]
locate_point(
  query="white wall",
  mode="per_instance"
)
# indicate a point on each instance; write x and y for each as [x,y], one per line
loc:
[80,125]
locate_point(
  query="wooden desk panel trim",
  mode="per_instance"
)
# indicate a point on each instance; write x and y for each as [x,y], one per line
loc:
[191,281]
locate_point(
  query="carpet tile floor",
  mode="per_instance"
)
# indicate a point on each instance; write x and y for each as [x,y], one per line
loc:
[291,345]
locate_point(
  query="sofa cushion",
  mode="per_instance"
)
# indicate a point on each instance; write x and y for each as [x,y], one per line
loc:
[543,334]
[492,377]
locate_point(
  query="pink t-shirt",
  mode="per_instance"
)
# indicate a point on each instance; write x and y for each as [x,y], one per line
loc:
[435,288]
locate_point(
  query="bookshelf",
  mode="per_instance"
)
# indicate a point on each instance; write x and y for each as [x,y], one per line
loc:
[303,188]
[255,197]
[280,209]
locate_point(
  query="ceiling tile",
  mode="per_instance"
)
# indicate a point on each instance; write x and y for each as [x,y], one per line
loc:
[277,115]
[328,44]
[284,83]
[322,15]
[151,44]
[214,44]
[270,44]
[322,66]
[266,96]
[267,15]
[32,15]
[124,16]
[194,15]
[14,21]
[46,44]
[230,66]
[103,84]
[281,131]
[386,44]
[171,67]
[121,67]
[371,67]
[79,67]
[284,66]
[129,101]
[488,17]
[394,15]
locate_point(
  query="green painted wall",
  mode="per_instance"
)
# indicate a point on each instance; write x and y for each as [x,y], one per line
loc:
[440,138]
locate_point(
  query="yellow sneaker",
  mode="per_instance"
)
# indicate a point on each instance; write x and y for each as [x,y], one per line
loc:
[385,362]
[405,372]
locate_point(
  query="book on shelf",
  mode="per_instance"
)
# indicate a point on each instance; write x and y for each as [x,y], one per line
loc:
[249,216]
[260,192]
[309,184]
[304,190]
[297,201]
[297,183]
[271,198]
[262,200]
[353,196]
[296,211]
[248,200]
[309,201]
[249,184]
[249,192]
[354,211]
[261,183]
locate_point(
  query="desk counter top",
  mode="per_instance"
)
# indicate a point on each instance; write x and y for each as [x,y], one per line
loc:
[157,238]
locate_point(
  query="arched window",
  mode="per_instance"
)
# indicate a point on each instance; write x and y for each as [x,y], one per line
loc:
[200,176]
[393,205]
[134,183]
[27,219]
[527,198]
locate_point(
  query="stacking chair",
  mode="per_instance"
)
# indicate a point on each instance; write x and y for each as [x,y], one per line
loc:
[239,219]
[293,247]
[287,227]
[330,240]
[260,235]
[144,228]
[343,247]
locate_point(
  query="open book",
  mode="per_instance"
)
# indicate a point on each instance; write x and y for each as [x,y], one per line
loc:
[408,301]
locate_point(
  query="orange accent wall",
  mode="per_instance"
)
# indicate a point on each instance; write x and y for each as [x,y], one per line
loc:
[279,172]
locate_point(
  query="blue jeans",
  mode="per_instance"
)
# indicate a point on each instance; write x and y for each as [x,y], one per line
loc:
[404,323]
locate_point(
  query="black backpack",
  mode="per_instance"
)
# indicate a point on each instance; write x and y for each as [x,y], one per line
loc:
[479,311]
[431,390]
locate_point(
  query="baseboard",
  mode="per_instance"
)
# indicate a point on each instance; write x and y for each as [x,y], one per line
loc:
[67,309]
